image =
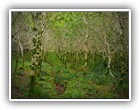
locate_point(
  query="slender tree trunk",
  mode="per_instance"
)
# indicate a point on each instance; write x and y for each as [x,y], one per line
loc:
[23,61]
[65,60]
[17,59]
[109,56]
[77,55]
[86,42]
[86,58]
[22,53]
[108,66]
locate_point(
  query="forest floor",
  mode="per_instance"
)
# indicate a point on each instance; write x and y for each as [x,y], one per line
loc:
[20,84]
[74,89]
[57,81]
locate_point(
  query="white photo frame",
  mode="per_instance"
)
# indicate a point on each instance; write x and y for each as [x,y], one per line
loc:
[67,10]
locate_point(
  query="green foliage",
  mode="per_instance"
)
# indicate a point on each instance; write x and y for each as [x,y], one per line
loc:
[76,83]
[27,57]
[44,87]
[29,20]
[65,23]
[79,88]
[53,59]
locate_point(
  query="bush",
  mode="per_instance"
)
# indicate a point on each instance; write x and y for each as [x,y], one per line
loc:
[44,87]
[79,88]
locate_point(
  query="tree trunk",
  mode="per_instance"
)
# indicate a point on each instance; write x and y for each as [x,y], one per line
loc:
[108,66]
[17,59]
[86,58]
[76,61]
[31,87]
[21,51]
[86,41]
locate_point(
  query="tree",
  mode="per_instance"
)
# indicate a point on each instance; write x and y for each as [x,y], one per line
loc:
[39,20]
[109,36]
[20,35]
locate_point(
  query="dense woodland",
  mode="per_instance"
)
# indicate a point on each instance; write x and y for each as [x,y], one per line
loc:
[70,55]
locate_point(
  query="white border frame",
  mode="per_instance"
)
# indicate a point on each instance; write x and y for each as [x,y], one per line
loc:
[82,10]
